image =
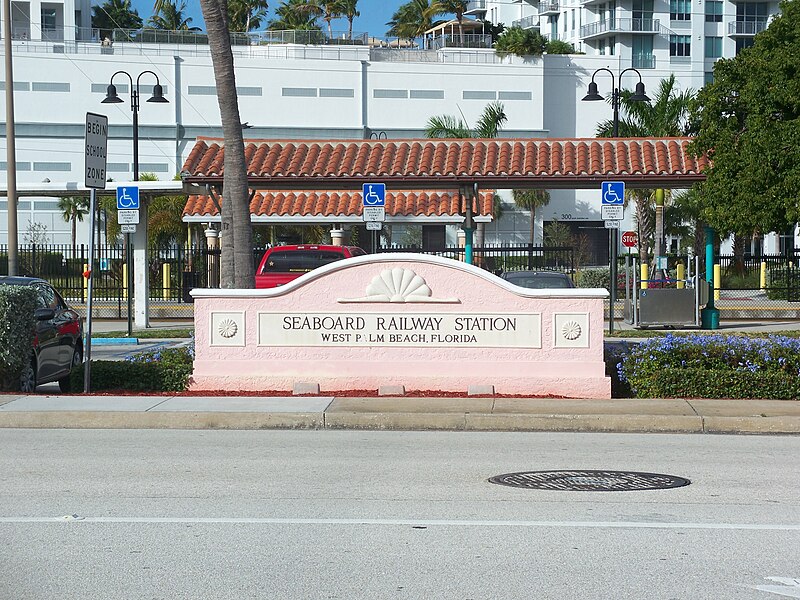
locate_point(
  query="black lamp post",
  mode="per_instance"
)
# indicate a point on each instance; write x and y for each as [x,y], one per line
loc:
[112,98]
[638,96]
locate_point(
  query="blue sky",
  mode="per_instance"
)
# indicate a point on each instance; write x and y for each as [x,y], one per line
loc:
[374,14]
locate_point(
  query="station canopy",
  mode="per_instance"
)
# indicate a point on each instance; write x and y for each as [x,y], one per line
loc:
[310,179]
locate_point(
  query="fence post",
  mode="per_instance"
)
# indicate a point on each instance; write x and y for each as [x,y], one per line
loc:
[165,282]
[530,256]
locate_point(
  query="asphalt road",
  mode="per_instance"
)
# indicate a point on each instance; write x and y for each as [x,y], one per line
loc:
[335,514]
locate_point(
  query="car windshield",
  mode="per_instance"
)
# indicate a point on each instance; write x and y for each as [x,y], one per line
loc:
[300,261]
[540,280]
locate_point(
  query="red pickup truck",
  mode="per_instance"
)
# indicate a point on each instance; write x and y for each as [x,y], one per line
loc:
[282,264]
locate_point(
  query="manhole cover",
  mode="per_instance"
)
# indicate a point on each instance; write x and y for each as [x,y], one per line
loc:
[590,481]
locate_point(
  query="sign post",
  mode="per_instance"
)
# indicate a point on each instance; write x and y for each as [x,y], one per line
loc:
[612,208]
[128,214]
[373,213]
[96,146]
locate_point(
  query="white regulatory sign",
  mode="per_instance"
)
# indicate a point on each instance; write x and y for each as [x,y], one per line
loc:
[612,224]
[127,228]
[374,213]
[128,217]
[96,147]
[374,225]
[612,212]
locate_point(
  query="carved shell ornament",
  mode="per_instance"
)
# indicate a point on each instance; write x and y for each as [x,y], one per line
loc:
[228,328]
[571,330]
[399,286]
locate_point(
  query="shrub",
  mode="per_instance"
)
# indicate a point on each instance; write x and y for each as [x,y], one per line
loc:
[614,353]
[17,304]
[165,370]
[713,366]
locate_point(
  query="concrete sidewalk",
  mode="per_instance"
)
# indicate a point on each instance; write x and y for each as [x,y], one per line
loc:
[456,414]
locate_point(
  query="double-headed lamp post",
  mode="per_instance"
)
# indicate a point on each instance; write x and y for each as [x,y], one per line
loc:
[113,98]
[638,96]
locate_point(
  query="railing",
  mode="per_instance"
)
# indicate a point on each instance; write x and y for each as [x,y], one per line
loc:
[530,22]
[475,6]
[465,56]
[746,27]
[643,61]
[467,40]
[621,26]
[546,8]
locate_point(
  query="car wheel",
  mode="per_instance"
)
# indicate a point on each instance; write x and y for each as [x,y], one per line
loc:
[65,383]
[27,379]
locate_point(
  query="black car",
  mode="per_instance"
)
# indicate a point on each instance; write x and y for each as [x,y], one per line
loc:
[58,340]
[539,280]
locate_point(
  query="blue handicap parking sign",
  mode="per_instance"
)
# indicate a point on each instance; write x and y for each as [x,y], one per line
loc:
[612,192]
[373,194]
[128,197]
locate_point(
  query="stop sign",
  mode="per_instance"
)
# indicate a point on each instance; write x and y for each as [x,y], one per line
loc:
[629,239]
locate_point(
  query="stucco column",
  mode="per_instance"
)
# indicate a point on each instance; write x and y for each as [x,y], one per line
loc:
[141,279]
[337,237]
[212,243]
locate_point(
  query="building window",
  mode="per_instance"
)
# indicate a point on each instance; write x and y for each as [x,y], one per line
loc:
[742,43]
[565,21]
[48,19]
[295,92]
[713,47]
[680,10]
[708,77]
[713,11]
[680,45]
[612,45]
[573,19]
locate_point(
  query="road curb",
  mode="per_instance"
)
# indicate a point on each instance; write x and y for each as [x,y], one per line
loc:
[399,421]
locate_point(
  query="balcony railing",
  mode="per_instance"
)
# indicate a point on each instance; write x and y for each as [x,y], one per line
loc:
[746,28]
[548,8]
[475,6]
[611,26]
[454,40]
[643,61]
[531,22]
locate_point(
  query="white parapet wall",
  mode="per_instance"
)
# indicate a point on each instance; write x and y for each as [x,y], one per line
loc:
[411,320]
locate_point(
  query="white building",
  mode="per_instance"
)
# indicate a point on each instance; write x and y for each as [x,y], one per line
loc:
[62,70]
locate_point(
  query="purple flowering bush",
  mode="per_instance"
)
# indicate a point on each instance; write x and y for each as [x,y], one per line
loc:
[712,366]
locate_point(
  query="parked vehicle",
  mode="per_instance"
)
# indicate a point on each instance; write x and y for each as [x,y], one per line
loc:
[58,339]
[539,280]
[283,264]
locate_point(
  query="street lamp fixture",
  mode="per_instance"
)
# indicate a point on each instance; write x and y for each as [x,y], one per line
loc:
[639,95]
[113,98]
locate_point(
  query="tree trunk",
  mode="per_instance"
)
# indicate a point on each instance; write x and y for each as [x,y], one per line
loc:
[644,224]
[533,221]
[74,238]
[237,240]
[350,28]
[658,242]
[738,254]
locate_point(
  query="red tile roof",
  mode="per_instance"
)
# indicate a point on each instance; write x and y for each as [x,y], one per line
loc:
[446,164]
[310,203]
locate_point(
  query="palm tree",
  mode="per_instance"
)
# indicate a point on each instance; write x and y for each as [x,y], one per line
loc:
[531,200]
[330,10]
[349,11]
[414,18]
[165,216]
[489,124]
[237,234]
[296,15]
[73,209]
[246,15]
[458,8]
[115,14]
[666,116]
[170,17]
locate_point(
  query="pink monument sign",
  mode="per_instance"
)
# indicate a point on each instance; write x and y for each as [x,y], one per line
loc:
[411,320]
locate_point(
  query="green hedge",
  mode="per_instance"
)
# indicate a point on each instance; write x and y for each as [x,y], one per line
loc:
[713,366]
[17,304]
[161,371]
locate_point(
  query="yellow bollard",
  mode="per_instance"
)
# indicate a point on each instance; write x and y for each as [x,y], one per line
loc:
[124,282]
[717,281]
[763,278]
[85,281]
[644,273]
[165,282]
[681,276]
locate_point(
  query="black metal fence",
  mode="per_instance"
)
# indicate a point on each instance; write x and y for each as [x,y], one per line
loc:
[499,258]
